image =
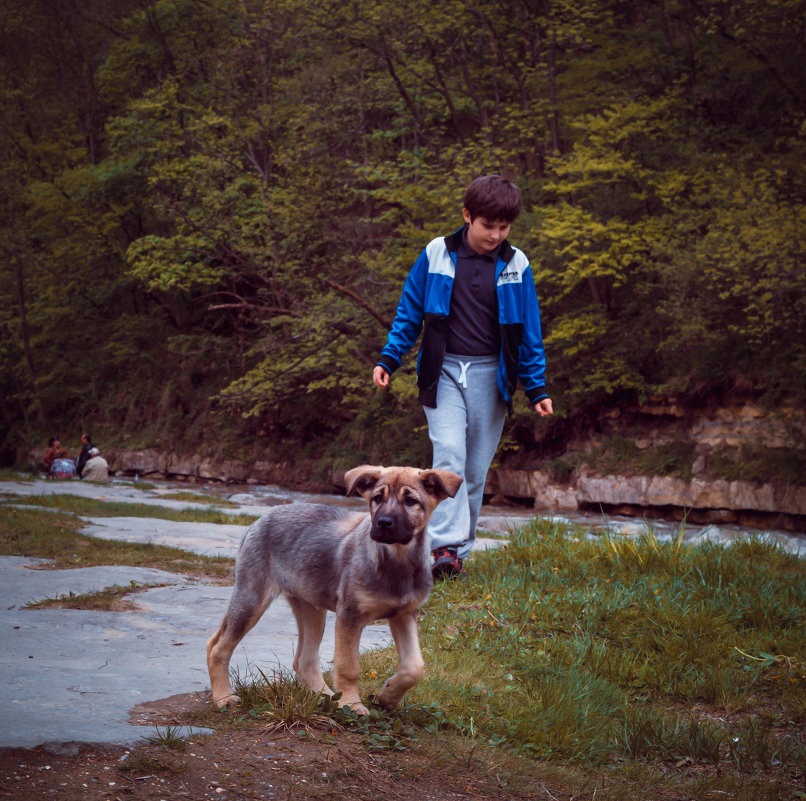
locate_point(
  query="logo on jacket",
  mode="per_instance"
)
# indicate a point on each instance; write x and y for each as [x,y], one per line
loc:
[509,277]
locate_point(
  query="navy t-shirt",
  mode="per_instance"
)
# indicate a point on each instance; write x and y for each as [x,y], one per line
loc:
[473,320]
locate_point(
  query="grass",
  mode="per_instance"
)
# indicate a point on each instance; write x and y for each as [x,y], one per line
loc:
[672,665]
[35,533]
[110,599]
[622,456]
[6,474]
[198,497]
[759,463]
[93,508]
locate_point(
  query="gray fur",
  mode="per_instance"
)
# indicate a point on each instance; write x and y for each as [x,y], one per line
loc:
[362,566]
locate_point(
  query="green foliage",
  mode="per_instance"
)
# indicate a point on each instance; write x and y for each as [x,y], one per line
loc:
[209,209]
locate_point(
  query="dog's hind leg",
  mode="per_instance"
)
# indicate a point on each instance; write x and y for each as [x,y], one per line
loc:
[311,625]
[248,602]
[410,660]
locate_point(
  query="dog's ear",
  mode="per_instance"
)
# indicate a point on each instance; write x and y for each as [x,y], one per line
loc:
[440,484]
[360,480]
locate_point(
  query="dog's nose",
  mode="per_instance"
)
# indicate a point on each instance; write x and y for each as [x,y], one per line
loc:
[384,522]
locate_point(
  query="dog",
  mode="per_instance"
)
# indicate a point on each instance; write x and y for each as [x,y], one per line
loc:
[362,566]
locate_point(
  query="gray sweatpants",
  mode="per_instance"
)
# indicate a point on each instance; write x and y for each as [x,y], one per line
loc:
[464,430]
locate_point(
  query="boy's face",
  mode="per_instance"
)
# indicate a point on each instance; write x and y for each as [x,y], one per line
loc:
[484,235]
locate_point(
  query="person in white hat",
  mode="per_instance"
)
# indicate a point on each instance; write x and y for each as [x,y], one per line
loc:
[96,467]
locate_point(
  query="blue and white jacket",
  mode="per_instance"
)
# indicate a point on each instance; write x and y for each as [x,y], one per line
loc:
[426,299]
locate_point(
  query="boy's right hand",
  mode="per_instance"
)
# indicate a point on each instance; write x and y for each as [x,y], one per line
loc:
[381,377]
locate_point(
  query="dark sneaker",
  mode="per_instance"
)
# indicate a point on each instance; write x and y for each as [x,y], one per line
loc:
[446,564]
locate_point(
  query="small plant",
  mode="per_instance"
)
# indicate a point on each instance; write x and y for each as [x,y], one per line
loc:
[144,762]
[169,738]
[285,702]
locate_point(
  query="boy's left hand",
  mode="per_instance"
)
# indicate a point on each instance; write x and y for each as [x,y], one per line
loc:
[544,407]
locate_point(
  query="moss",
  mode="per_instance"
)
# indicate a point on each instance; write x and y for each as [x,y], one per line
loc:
[622,456]
[758,463]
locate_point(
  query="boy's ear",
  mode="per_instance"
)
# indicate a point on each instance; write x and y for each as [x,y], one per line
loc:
[360,480]
[466,216]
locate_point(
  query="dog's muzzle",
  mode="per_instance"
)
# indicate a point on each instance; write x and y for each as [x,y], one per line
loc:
[391,530]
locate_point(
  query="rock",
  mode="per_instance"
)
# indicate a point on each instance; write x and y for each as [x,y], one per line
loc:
[590,489]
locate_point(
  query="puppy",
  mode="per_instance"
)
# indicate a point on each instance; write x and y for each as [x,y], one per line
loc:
[362,566]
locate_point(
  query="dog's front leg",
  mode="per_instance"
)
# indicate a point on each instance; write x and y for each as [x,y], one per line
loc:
[410,666]
[346,665]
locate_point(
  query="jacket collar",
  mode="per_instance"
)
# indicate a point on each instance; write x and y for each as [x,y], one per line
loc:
[505,251]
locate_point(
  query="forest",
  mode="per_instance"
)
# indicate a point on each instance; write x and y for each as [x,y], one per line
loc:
[209,208]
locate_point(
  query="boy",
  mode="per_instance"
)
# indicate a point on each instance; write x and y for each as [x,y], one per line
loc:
[476,296]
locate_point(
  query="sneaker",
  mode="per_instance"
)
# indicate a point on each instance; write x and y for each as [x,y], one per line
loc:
[447,564]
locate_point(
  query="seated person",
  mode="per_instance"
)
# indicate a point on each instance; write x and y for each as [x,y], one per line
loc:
[86,447]
[54,452]
[96,467]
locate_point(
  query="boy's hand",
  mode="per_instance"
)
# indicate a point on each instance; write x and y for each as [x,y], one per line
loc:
[380,377]
[544,407]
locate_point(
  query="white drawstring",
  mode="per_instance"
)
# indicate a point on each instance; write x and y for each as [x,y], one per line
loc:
[463,375]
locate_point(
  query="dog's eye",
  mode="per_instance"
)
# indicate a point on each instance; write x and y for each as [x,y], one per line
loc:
[378,497]
[411,500]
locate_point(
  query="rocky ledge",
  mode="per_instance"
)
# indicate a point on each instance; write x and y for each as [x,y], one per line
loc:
[701,499]
[711,500]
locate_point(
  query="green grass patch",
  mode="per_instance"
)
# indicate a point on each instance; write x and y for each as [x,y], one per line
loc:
[622,654]
[49,535]
[94,508]
[757,463]
[110,599]
[198,497]
[7,474]
[622,456]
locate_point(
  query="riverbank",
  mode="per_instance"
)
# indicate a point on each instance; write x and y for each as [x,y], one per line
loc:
[701,499]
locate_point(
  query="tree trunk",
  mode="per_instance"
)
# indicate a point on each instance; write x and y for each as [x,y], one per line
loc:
[26,343]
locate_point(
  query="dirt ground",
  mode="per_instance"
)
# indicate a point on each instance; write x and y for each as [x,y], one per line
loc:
[250,762]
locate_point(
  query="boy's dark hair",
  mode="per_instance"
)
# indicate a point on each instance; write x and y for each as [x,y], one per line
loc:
[493,197]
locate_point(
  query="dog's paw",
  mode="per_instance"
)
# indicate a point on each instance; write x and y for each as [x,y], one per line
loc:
[227,702]
[387,700]
[357,707]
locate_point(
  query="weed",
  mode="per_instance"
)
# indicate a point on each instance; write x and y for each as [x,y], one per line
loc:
[285,702]
[169,738]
